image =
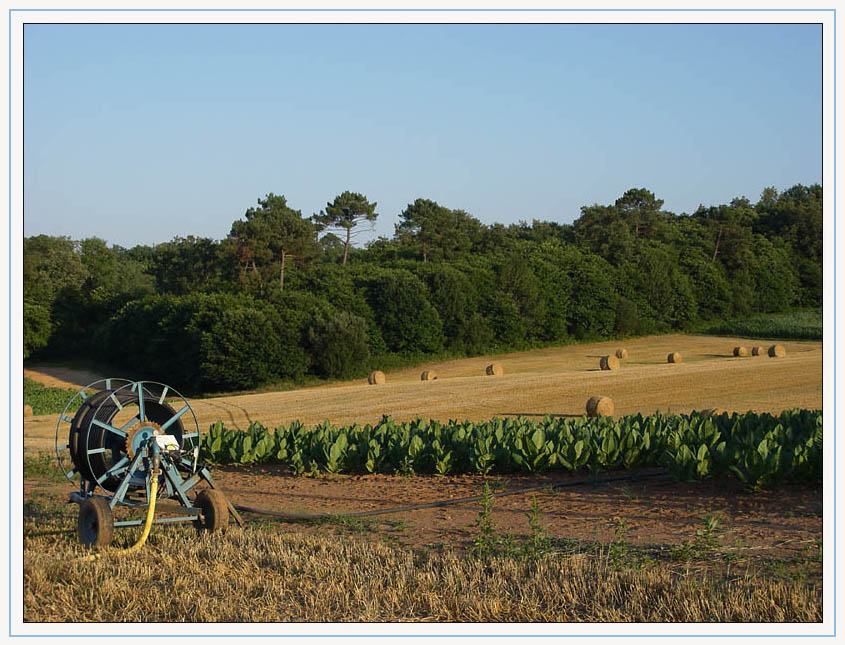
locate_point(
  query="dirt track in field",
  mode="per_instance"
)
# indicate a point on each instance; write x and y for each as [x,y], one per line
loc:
[61,377]
[556,381]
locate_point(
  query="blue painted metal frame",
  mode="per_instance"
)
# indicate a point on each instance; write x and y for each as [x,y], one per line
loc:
[161,520]
[174,482]
[121,491]
[177,488]
[175,485]
[180,486]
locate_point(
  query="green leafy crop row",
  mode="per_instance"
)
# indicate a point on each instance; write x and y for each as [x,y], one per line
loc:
[45,400]
[760,449]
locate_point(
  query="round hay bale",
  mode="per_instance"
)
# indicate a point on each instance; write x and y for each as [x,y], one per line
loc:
[674,357]
[428,375]
[740,351]
[609,362]
[599,406]
[622,353]
[494,369]
[376,378]
[758,351]
[777,351]
[27,411]
[712,412]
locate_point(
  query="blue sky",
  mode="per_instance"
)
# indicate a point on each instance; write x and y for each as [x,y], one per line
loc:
[139,133]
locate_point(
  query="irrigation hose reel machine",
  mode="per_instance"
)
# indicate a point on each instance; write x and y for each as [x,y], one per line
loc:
[118,436]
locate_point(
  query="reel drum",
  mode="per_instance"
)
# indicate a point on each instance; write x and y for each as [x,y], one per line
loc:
[114,418]
[114,434]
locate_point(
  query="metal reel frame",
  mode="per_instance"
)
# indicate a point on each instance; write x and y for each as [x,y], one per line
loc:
[93,433]
[114,456]
[63,426]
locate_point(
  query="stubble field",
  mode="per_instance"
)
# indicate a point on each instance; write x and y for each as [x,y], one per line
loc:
[712,545]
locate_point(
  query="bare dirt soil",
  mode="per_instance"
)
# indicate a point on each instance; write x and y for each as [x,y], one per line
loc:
[650,513]
[778,531]
[61,377]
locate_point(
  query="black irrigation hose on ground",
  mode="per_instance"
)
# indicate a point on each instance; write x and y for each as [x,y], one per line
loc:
[449,502]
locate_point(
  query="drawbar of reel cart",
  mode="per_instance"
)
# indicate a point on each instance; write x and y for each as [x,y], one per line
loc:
[113,435]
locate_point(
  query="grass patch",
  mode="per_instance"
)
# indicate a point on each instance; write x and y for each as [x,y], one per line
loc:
[805,324]
[347,524]
[42,464]
[43,399]
[706,544]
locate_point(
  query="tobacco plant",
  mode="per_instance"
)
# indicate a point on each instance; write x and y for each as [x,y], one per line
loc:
[760,449]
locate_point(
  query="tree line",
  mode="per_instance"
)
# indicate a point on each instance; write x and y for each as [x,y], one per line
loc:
[285,296]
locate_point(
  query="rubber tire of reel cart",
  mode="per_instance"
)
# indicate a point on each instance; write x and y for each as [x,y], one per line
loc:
[96,522]
[214,510]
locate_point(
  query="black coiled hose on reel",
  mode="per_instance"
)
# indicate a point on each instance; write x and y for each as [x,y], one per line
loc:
[95,449]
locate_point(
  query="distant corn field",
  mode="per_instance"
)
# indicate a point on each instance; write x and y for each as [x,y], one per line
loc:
[798,325]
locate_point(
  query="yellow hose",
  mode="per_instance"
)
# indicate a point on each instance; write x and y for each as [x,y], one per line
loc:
[144,534]
[149,523]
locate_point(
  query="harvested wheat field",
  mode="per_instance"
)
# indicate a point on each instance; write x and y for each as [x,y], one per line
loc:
[726,553]
[264,576]
[554,381]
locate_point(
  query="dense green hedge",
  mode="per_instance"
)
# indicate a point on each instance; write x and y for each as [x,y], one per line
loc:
[760,449]
[210,341]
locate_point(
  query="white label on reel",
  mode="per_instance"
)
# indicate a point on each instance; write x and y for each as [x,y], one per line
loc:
[167,442]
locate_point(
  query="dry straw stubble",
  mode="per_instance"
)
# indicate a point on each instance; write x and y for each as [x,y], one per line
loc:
[254,575]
